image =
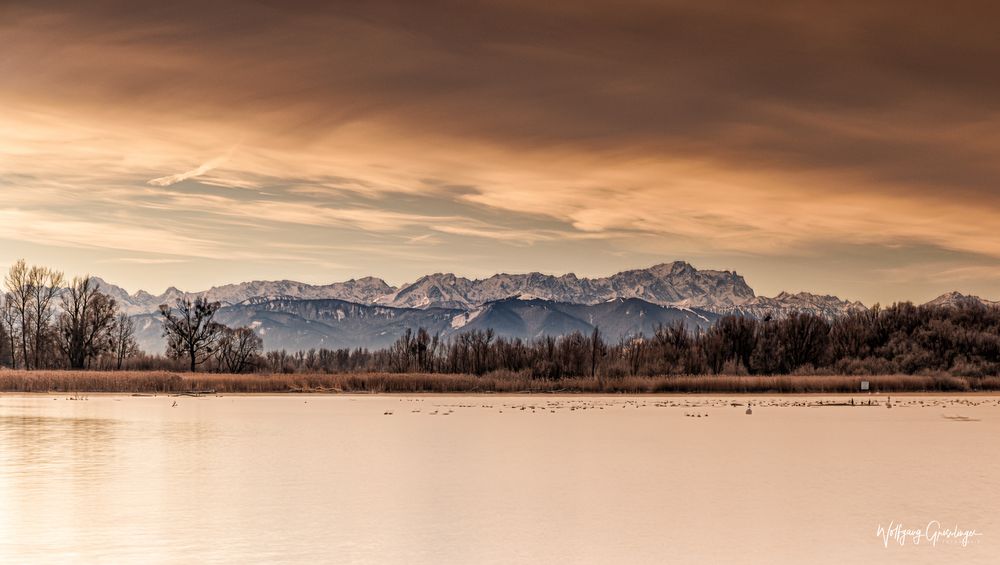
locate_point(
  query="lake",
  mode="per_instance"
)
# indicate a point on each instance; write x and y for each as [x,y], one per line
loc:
[497,479]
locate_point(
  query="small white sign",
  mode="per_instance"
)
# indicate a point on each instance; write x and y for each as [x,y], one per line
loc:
[864,385]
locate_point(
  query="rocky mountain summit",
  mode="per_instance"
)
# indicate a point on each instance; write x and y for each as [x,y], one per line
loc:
[667,284]
[956,299]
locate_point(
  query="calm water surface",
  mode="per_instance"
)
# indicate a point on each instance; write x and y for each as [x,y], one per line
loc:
[478,479]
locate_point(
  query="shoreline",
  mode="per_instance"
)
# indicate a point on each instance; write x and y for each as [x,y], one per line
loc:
[362,384]
[883,395]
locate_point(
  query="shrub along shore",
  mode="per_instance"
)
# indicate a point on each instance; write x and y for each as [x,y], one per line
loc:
[152,382]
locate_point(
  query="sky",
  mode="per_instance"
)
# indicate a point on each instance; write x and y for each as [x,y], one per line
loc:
[839,148]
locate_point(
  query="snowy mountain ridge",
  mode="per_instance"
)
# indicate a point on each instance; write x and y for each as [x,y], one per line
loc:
[677,284]
[667,284]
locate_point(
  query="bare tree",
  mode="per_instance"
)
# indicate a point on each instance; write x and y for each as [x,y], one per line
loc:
[239,349]
[45,285]
[190,331]
[634,351]
[597,350]
[31,291]
[18,298]
[4,343]
[8,320]
[122,340]
[401,350]
[85,324]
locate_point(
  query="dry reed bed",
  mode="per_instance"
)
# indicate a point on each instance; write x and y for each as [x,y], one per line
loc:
[168,382]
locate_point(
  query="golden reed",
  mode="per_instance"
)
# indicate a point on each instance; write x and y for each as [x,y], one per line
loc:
[497,382]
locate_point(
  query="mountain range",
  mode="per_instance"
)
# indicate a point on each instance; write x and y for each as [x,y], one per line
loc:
[670,284]
[368,312]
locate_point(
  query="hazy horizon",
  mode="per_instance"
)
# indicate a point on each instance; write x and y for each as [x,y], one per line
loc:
[808,147]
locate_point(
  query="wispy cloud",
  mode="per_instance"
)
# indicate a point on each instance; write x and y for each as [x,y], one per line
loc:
[193,173]
[145,260]
[50,228]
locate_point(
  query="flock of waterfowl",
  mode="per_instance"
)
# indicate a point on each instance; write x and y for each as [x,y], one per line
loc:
[694,407]
[697,407]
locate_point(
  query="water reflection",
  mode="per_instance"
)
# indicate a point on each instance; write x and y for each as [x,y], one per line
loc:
[499,480]
[47,443]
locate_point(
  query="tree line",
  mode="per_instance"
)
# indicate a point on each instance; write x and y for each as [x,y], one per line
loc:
[44,324]
[963,340]
[49,323]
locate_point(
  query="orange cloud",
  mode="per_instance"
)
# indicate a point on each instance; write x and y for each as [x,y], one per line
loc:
[625,131]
